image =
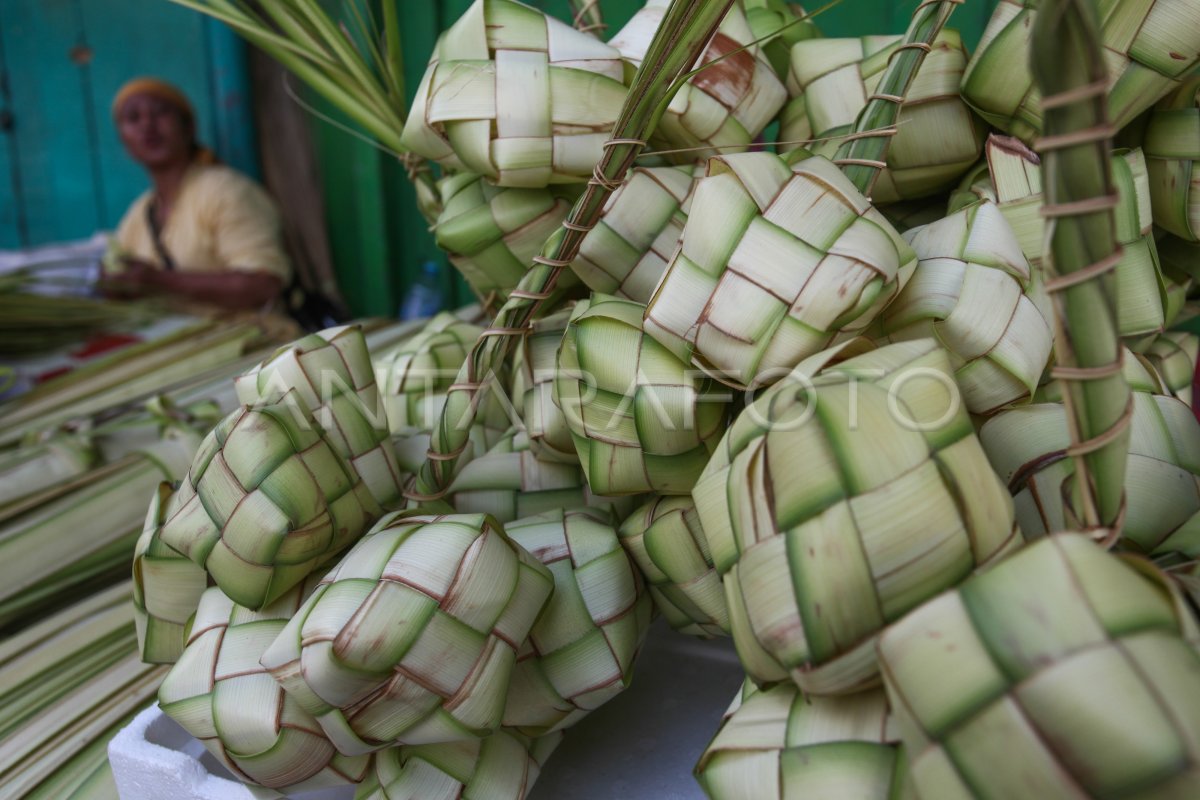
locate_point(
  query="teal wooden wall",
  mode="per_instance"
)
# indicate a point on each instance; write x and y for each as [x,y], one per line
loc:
[378,237]
[63,171]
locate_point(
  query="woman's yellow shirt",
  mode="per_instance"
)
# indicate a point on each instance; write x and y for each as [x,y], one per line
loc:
[221,222]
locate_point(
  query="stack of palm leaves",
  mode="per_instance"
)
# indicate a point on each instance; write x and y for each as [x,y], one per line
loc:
[32,322]
[28,469]
[849,522]
[131,374]
[70,682]
[77,535]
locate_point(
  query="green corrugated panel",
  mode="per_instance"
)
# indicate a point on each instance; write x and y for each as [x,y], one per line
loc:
[849,18]
[378,237]
[356,211]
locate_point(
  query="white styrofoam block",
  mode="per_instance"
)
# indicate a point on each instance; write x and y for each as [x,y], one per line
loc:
[153,758]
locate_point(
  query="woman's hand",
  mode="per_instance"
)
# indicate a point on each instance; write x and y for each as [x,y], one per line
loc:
[136,279]
[229,290]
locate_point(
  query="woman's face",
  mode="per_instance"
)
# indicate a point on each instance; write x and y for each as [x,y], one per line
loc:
[155,132]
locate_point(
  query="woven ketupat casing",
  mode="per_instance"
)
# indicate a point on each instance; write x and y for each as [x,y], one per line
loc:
[775,261]
[516,96]
[782,24]
[266,501]
[581,650]
[414,376]
[938,136]
[628,250]
[534,368]
[1162,470]
[1173,356]
[1146,311]
[642,420]
[974,292]
[331,373]
[728,102]
[504,766]
[665,540]
[220,694]
[412,638]
[167,586]
[996,683]
[1172,147]
[491,234]
[1142,295]
[1150,46]
[778,743]
[509,482]
[838,502]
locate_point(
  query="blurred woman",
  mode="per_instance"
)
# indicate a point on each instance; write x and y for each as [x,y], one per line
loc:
[203,231]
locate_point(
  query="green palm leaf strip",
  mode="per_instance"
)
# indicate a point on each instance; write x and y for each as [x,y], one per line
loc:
[864,153]
[587,16]
[358,68]
[1081,253]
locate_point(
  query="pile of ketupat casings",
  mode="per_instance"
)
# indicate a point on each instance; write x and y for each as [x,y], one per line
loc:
[897,404]
[79,454]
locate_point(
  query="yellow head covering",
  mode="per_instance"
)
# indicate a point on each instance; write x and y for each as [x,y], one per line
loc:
[169,93]
[157,88]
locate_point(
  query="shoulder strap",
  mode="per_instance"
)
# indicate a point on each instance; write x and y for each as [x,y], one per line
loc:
[156,237]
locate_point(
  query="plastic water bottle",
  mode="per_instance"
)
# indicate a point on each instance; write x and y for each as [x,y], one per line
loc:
[424,297]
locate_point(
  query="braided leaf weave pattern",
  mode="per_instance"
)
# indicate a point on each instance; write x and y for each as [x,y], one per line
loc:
[412,638]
